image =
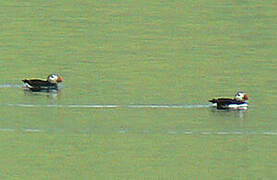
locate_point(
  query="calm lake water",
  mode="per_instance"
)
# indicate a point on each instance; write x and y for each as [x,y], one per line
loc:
[138,77]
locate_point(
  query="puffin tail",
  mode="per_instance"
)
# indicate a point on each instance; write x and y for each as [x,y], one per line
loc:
[27,84]
[213,101]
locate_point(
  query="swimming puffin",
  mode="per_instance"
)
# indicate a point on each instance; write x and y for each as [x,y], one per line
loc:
[43,85]
[239,102]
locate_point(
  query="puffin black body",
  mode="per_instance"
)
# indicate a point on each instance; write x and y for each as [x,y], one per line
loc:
[239,102]
[38,85]
[43,85]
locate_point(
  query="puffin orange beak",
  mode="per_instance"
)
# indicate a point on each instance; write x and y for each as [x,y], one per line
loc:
[245,97]
[60,79]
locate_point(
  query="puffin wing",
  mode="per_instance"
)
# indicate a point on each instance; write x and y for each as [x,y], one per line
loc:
[221,100]
[38,84]
[224,103]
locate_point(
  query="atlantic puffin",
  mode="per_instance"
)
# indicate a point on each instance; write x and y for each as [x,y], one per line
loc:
[239,102]
[43,85]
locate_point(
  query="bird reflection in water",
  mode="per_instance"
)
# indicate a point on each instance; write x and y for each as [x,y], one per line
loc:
[230,112]
[52,94]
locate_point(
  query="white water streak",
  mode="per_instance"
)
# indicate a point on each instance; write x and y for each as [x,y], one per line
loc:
[33,130]
[170,132]
[6,130]
[10,86]
[187,106]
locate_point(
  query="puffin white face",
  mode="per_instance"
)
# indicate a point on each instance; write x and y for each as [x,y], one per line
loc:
[54,78]
[241,96]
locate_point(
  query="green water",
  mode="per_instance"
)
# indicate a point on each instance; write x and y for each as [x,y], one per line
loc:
[138,52]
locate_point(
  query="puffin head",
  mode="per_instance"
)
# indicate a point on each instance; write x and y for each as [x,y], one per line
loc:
[241,96]
[54,78]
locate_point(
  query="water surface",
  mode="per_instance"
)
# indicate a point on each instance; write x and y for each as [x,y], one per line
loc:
[138,76]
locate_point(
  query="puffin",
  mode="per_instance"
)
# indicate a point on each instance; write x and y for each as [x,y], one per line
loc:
[43,85]
[238,102]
